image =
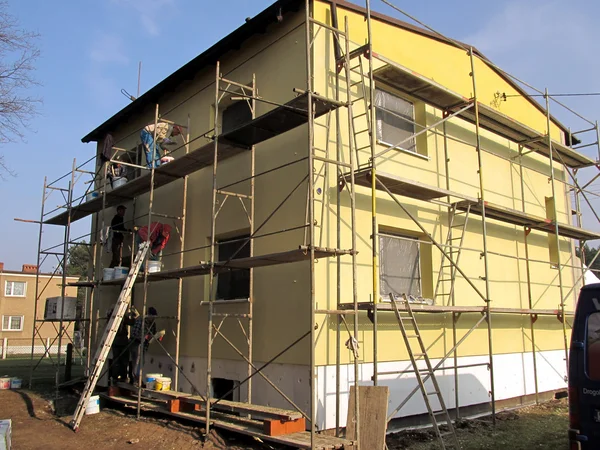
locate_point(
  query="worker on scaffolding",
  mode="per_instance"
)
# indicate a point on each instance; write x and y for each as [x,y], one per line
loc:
[119,364]
[117,226]
[138,335]
[162,132]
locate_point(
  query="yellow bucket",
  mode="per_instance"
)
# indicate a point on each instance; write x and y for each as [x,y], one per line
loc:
[163,383]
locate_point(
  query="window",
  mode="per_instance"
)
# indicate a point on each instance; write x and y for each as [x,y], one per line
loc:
[15,288]
[225,389]
[236,115]
[399,266]
[12,323]
[395,117]
[234,284]
[593,346]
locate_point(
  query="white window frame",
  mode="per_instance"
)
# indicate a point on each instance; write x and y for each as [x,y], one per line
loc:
[12,289]
[380,138]
[9,323]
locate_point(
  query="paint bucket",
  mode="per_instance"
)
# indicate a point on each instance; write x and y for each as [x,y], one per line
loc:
[108,274]
[120,272]
[91,196]
[4,383]
[154,266]
[163,384]
[117,182]
[151,380]
[93,406]
[15,383]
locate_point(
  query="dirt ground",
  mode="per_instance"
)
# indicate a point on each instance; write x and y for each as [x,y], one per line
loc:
[36,426]
[543,426]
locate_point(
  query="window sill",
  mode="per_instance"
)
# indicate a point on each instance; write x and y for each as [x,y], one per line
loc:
[400,149]
[15,296]
[234,301]
[14,331]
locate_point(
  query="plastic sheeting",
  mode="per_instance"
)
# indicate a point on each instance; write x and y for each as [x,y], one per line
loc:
[392,129]
[399,268]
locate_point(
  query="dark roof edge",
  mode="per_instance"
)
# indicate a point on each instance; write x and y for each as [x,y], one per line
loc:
[257,24]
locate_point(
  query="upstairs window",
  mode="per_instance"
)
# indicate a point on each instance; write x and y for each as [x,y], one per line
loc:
[236,115]
[399,266]
[15,289]
[234,284]
[395,119]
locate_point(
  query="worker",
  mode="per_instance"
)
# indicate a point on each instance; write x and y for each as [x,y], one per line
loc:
[117,226]
[118,367]
[137,336]
[162,131]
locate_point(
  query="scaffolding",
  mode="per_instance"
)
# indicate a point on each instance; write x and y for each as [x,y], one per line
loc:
[212,148]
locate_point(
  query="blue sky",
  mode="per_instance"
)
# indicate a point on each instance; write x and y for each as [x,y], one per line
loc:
[91,49]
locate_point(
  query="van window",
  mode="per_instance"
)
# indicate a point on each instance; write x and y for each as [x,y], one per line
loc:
[593,346]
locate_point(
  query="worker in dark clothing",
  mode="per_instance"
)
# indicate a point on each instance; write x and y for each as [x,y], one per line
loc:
[118,368]
[117,226]
[141,335]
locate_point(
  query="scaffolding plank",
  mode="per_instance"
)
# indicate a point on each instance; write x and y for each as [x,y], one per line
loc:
[405,187]
[277,121]
[290,256]
[422,307]
[242,426]
[433,93]
[520,218]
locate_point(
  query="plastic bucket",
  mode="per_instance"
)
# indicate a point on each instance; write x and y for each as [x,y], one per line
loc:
[93,406]
[163,384]
[151,380]
[118,182]
[91,196]
[120,272]
[154,266]
[108,274]
[5,383]
[15,383]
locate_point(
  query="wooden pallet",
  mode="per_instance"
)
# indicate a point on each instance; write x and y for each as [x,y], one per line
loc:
[269,424]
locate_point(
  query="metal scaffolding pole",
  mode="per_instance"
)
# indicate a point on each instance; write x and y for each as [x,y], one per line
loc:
[556,231]
[484,235]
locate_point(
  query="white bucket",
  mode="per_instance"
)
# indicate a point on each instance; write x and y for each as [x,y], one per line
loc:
[93,406]
[4,383]
[151,380]
[163,384]
[91,196]
[154,266]
[15,383]
[108,274]
[121,272]
[118,182]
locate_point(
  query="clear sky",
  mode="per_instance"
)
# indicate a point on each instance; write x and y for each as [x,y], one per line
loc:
[91,49]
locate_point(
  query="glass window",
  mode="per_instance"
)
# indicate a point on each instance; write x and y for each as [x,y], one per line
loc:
[399,266]
[236,115]
[15,289]
[593,346]
[395,121]
[234,284]
[12,323]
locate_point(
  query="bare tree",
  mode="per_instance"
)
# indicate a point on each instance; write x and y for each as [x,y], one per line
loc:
[18,54]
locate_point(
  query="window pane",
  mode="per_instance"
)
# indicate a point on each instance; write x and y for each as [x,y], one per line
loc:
[235,284]
[593,346]
[5,322]
[236,115]
[399,268]
[394,120]
[15,323]
[8,289]
[18,288]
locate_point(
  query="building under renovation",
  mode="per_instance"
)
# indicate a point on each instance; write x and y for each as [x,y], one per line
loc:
[335,174]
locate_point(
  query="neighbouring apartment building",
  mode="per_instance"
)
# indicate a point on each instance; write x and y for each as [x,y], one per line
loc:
[423,89]
[17,306]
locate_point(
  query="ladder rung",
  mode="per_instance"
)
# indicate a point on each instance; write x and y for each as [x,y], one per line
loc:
[419,354]
[433,393]
[413,335]
[360,115]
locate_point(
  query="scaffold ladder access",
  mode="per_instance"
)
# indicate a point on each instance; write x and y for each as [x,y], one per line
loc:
[109,335]
[410,332]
